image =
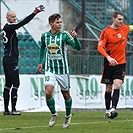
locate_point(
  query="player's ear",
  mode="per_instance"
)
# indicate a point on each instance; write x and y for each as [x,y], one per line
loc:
[50,23]
[113,19]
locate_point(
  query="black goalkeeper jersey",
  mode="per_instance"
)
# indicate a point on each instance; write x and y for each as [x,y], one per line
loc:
[10,38]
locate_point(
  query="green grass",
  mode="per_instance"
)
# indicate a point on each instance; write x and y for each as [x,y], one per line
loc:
[82,122]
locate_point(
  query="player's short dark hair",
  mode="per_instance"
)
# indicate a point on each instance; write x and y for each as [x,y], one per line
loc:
[116,13]
[53,17]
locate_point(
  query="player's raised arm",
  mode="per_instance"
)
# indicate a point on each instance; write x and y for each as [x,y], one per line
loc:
[73,33]
[26,20]
[37,10]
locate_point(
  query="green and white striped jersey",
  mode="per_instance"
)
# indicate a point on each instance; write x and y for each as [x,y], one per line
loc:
[55,49]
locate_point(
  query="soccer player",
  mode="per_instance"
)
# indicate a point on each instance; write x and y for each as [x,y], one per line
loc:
[54,45]
[112,45]
[10,59]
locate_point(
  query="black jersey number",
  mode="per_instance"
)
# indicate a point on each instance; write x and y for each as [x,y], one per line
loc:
[5,39]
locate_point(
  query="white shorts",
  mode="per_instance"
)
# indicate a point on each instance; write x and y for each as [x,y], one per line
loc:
[62,79]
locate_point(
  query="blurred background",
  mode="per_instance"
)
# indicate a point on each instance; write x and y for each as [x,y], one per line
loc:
[89,16]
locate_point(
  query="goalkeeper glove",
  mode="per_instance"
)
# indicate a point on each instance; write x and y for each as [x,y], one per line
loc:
[39,9]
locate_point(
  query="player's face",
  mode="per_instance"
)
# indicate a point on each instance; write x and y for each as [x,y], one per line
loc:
[56,25]
[11,17]
[118,21]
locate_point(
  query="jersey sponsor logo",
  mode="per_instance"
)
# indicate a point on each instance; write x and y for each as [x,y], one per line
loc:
[120,41]
[55,56]
[53,49]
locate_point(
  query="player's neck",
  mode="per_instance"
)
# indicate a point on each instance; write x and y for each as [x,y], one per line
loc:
[115,27]
[54,31]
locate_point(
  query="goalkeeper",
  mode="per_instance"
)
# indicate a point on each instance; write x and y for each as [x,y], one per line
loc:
[10,59]
[54,44]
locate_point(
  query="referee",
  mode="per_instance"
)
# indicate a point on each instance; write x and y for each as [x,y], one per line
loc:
[10,59]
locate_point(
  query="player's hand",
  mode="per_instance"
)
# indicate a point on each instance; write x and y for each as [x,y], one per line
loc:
[73,33]
[112,61]
[40,68]
[39,9]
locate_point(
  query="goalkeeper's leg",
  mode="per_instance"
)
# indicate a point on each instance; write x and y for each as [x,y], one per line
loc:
[14,95]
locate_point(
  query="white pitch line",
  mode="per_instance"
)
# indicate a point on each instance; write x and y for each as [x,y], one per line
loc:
[57,125]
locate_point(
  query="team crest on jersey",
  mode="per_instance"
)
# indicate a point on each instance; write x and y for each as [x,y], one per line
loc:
[119,35]
[53,48]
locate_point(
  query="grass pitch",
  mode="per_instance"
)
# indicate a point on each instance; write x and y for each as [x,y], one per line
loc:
[82,122]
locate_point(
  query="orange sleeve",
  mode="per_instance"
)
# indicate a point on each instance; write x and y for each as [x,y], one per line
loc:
[102,43]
